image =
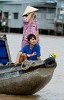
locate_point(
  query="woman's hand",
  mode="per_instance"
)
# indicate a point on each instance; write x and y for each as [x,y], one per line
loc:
[32,14]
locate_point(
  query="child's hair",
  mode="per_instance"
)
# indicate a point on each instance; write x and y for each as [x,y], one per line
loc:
[30,37]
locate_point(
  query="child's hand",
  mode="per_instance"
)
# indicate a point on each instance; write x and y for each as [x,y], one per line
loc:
[34,53]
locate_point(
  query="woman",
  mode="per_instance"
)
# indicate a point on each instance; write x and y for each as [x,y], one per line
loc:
[30,24]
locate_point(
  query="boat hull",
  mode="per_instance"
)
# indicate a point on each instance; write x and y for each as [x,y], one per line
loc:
[26,83]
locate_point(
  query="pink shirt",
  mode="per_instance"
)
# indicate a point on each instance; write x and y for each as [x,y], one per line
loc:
[30,27]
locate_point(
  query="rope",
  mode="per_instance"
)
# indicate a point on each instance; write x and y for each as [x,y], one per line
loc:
[28,64]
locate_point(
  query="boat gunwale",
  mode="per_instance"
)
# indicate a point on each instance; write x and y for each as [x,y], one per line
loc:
[18,67]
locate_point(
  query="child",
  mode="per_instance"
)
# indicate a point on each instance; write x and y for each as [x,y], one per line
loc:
[30,51]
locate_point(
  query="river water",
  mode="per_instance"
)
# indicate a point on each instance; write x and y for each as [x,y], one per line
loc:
[54,90]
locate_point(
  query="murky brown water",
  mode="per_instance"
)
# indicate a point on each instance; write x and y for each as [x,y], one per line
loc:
[12,97]
[54,90]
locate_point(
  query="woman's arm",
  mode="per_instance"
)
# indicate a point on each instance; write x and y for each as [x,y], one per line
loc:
[28,18]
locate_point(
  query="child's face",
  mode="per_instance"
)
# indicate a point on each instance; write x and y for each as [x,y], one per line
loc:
[32,41]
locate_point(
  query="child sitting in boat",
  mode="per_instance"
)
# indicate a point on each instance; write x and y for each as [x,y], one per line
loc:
[30,51]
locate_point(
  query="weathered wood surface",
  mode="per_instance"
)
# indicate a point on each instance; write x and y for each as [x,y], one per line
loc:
[14,80]
[26,83]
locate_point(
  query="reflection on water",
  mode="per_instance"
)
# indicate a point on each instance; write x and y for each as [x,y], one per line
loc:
[15,97]
[54,90]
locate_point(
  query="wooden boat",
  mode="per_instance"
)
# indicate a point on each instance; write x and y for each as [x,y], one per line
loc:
[20,79]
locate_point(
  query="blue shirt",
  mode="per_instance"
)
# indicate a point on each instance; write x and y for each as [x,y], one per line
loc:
[32,54]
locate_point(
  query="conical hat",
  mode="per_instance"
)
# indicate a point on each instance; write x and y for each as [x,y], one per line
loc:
[29,9]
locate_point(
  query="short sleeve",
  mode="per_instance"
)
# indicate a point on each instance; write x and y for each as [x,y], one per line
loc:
[23,50]
[38,50]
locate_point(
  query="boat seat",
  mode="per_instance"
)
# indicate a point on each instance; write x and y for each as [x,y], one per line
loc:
[4,50]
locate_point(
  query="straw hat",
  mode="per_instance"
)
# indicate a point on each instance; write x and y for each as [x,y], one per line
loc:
[29,9]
